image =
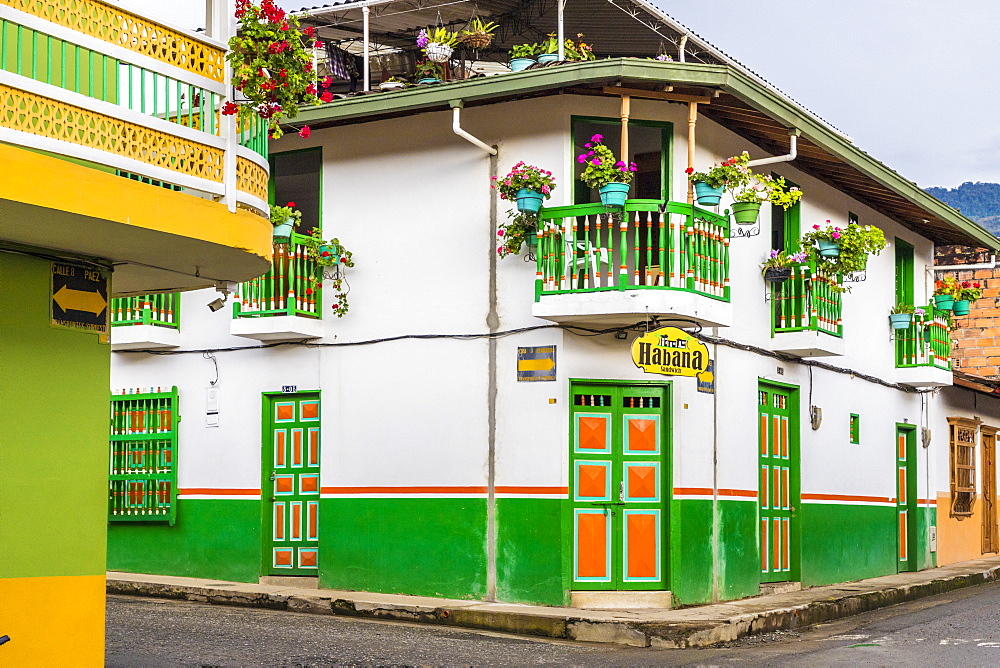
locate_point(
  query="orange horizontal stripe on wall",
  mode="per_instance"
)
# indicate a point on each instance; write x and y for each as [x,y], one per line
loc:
[513,489]
[707,491]
[218,492]
[845,497]
[403,490]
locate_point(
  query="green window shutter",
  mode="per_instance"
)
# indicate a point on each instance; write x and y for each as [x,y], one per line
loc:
[855,428]
[904,272]
[142,486]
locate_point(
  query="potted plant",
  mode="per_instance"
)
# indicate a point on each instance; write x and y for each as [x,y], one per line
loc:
[527,185]
[945,291]
[548,51]
[777,268]
[330,261]
[437,43]
[392,83]
[758,189]
[428,72]
[272,64]
[727,175]
[602,171]
[284,218]
[843,250]
[522,56]
[901,315]
[521,230]
[478,34]
[967,293]
[580,50]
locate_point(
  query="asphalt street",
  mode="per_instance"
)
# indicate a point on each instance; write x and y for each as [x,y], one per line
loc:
[959,628]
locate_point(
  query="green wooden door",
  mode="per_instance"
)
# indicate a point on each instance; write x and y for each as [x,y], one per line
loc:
[291,483]
[779,483]
[906,497]
[619,486]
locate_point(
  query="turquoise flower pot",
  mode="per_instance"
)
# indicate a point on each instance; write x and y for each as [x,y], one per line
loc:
[900,320]
[944,302]
[548,57]
[333,253]
[428,80]
[614,194]
[828,248]
[961,307]
[282,232]
[529,200]
[706,194]
[518,64]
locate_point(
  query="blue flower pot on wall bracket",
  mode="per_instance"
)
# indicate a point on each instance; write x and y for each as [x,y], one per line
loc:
[614,194]
[529,200]
[706,194]
[828,248]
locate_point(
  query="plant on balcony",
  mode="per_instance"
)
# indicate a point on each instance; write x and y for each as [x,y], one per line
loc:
[478,34]
[522,56]
[967,293]
[758,189]
[330,261]
[285,219]
[777,268]
[843,250]
[548,50]
[428,72]
[602,171]
[527,185]
[437,43]
[393,83]
[522,229]
[945,291]
[272,64]
[901,315]
[729,174]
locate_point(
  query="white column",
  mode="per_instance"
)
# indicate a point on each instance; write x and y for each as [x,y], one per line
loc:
[367,84]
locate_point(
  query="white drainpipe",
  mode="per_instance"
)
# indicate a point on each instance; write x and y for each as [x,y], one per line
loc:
[793,136]
[366,11]
[456,127]
[992,264]
[680,48]
[561,32]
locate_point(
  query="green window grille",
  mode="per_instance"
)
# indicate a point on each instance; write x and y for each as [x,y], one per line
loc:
[855,428]
[142,485]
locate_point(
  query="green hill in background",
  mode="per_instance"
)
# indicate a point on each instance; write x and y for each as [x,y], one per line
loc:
[978,201]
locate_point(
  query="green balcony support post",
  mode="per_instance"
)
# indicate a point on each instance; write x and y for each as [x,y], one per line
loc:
[661,279]
[725,254]
[623,250]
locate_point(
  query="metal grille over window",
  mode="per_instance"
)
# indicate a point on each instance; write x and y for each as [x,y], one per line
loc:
[962,432]
[142,485]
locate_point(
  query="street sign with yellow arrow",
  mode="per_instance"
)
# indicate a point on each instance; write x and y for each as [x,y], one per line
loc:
[79,298]
[536,363]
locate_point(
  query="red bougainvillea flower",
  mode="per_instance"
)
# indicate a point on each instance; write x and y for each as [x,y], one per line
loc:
[230,109]
[305,132]
[326,96]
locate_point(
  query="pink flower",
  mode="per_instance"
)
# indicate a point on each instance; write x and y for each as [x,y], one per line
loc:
[545,190]
[815,227]
[305,132]
[596,162]
[597,138]
[835,235]
[499,233]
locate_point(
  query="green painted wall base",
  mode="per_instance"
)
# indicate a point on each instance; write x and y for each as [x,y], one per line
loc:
[425,547]
[533,563]
[211,539]
[843,542]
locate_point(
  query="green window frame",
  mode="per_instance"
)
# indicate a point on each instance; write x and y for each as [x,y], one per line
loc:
[855,428]
[786,224]
[904,272]
[303,188]
[581,193]
[142,484]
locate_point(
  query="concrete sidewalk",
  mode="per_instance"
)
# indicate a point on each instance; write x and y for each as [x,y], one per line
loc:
[699,626]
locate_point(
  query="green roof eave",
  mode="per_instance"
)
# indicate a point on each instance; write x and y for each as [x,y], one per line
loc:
[742,86]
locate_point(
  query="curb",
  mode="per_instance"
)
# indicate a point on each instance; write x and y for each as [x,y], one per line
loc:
[557,623]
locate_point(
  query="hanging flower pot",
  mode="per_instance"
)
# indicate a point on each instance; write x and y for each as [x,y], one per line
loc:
[900,320]
[944,302]
[548,57]
[529,200]
[707,194]
[745,213]
[961,307]
[614,194]
[518,64]
[438,52]
[282,232]
[531,241]
[828,248]
[777,274]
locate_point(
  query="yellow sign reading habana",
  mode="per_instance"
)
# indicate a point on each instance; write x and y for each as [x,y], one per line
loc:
[670,351]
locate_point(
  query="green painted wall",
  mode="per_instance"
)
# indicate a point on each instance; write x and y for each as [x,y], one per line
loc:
[211,539]
[53,432]
[426,547]
[739,556]
[843,542]
[533,562]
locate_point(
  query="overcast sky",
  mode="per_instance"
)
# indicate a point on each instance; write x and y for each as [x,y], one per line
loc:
[914,82]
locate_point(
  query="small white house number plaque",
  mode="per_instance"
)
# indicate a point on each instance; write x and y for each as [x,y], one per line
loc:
[289,388]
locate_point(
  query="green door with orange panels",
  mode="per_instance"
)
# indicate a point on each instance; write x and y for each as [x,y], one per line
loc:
[906,497]
[778,494]
[291,483]
[618,486]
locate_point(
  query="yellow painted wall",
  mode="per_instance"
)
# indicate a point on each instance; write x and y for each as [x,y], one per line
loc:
[958,539]
[52,621]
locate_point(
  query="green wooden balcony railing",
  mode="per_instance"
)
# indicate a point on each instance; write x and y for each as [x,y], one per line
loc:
[288,289]
[808,301]
[650,244]
[161,310]
[926,342]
